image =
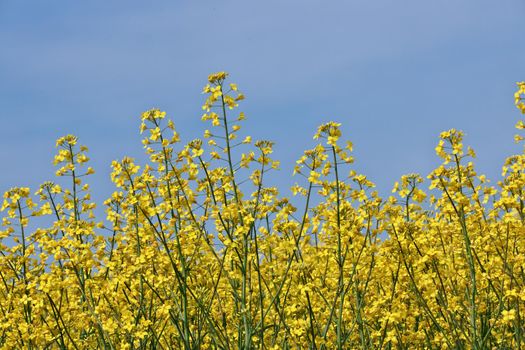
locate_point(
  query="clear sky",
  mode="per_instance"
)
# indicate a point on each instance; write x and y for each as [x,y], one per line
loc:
[394,73]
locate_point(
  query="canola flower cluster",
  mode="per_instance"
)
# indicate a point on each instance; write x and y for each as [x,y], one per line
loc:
[196,252]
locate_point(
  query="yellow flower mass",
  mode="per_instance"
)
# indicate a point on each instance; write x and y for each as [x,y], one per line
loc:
[197,252]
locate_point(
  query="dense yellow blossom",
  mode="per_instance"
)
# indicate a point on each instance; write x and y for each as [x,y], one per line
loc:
[197,252]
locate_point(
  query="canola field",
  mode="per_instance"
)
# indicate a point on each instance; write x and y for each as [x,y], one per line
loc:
[196,252]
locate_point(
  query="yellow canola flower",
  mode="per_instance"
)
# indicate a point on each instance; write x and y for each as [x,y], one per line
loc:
[217,77]
[197,248]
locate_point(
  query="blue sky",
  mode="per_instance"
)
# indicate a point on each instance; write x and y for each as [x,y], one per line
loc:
[394,73]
